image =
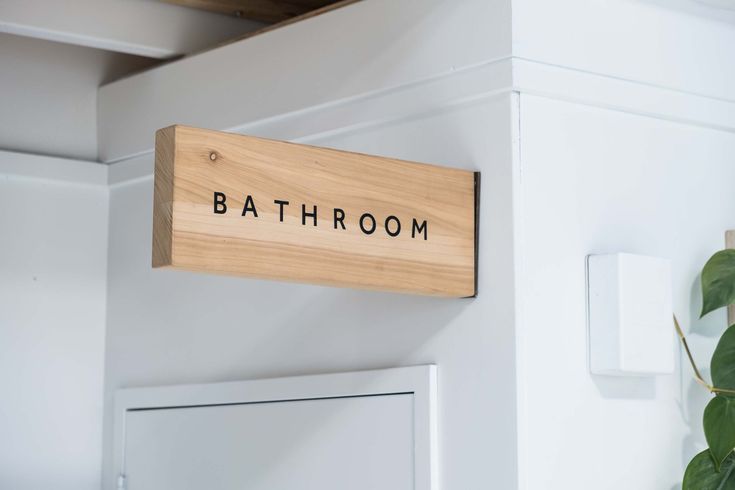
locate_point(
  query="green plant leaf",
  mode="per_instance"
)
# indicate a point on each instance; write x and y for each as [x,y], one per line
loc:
[718,281]
[701,473]
[722,366]
[719,428]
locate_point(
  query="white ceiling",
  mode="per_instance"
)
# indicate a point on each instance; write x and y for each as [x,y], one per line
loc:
[48,94]
[56,53]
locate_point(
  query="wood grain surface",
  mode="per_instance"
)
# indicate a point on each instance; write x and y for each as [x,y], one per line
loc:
[271,11]
[382,224]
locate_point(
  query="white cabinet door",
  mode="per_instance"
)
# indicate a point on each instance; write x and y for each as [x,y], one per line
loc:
[368,430]
[360,443]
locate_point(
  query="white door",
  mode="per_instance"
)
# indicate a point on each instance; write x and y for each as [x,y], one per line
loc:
[205,438]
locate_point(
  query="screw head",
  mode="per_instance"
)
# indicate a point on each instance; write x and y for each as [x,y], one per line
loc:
[213,155]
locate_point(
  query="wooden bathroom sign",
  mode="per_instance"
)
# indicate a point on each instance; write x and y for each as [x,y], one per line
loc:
[233,204]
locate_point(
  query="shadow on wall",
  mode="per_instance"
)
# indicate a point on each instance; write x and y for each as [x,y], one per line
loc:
[626,387]
[309,329]
[350,323]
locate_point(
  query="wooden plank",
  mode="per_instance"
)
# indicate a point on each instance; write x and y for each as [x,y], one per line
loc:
[308,15]
[163,197]
[271,11]
[730,243]
[233,204]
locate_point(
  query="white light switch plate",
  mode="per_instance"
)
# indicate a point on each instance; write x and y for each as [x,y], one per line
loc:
[630,315]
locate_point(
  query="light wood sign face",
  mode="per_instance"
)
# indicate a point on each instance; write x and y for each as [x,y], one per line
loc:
[232,204]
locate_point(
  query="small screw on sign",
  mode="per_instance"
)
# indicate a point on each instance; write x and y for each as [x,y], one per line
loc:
[213,155]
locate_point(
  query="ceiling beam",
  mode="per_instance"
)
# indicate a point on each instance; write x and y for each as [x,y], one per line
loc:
[270,11]
[139,27]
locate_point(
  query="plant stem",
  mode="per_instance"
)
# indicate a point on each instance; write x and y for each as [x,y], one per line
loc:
[697,374]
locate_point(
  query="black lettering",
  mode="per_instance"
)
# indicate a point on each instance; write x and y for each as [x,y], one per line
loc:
[304,214]
[219,203]
[362,223]
[418,229]
[280,205]
[339,217]
[398,226]
[249,206]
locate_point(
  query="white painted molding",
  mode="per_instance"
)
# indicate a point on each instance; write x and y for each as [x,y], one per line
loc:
[645,41]
[465,86]
[140,27]
[319,62]
[421,381]
[622,95]
[333,90]
[25,165]
[311,126]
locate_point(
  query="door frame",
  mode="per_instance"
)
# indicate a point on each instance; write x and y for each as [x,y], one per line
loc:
[421,381]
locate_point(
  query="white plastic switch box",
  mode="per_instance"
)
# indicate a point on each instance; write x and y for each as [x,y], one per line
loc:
[631,329]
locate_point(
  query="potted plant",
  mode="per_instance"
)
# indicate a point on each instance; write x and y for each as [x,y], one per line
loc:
[714,468]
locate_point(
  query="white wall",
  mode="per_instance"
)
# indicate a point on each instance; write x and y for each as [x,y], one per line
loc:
[415,79]
[597,181]
[649,41]
[626,139]
[176,327]
[48,94]
[560,180]
[53,261]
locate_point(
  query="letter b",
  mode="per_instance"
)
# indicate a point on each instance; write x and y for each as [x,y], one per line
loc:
[219,203]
